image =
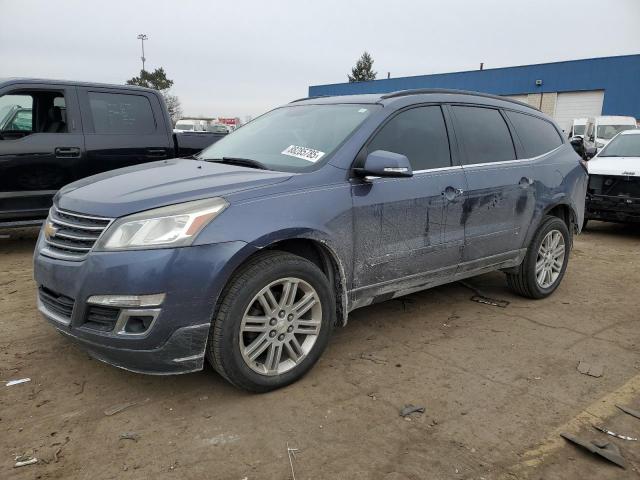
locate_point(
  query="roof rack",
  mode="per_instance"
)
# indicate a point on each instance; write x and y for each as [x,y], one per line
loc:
[421,91]
[308,98]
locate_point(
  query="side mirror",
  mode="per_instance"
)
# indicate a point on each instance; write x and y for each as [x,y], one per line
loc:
[590,152]
[385,164]
[578,145]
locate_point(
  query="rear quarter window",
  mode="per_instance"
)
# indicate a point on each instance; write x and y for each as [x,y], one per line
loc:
[123,114]
[536,135]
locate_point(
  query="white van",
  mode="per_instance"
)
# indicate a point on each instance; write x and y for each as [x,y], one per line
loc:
[577,127]
[190,126]
[600,130]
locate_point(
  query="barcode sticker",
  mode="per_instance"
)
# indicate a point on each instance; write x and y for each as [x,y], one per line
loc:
[304,153]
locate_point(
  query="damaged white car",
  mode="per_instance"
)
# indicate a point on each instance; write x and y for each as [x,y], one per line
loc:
[613,194]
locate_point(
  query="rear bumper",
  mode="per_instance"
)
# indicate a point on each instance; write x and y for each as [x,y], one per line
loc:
[612,208]
[191,278]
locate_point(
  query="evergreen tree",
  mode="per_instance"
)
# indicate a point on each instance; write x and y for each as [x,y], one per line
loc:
[363,71]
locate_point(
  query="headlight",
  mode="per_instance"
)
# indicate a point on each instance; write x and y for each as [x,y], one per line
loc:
[171,226]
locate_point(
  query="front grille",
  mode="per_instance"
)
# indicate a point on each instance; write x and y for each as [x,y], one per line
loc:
[56,303]
[102,319]
[70,236]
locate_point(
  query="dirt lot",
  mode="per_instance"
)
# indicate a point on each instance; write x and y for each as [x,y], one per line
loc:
[498,385]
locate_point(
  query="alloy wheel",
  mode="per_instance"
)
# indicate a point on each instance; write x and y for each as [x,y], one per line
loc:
[280,326]
[550,259]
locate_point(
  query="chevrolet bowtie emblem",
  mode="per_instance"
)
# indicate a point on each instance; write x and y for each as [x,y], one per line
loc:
[49,230]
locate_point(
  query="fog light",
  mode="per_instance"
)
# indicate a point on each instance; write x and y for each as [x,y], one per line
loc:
[127,301]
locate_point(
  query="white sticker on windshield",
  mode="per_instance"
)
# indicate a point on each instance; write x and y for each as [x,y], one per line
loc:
[363,110]
[304,153]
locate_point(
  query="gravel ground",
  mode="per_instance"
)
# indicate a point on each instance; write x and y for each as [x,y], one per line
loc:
[497,384]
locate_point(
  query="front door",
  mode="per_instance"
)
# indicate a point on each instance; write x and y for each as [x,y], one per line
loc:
[407,231]
[41,148]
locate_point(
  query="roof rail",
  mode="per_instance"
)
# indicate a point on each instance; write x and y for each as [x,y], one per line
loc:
[308,98]
[421,91]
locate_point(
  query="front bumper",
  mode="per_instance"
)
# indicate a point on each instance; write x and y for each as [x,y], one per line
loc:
[191,278]
[612,208]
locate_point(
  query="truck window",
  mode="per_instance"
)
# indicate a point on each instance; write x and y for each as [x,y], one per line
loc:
[419,134]
[484,134]
[537,136]
[23,113]
[121,114]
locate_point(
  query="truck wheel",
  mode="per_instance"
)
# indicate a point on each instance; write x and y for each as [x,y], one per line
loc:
[546,261]
[273,322]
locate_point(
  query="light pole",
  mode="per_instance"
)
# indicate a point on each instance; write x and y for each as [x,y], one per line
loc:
[142,37]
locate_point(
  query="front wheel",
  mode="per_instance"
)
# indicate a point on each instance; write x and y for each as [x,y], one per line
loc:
[546,261]
[274,321]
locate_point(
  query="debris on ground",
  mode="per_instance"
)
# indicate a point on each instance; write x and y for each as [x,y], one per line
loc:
[81,385]
[122,406]
[372,396]
[587,368]
[630,411]
[409,409]
[130,436]
[291,452]
[24,460]
[606,450]
[614,434]
[480,297]
[490,301]
[17,382]
[373,358]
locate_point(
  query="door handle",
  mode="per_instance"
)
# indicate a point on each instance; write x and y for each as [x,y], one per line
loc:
[156,152]
[451,193]
[525,182]
[67,152]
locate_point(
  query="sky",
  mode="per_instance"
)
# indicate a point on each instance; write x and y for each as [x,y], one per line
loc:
[244,57]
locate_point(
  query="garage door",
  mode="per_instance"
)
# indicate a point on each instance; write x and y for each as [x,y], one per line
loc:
[570,105]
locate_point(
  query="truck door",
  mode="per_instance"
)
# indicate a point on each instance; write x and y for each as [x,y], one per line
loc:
[122,128]
[41,147]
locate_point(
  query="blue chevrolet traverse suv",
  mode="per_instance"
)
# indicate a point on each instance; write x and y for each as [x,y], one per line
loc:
[249,253]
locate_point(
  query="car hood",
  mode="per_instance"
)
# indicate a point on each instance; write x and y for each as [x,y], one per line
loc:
[622,166]
[150,185]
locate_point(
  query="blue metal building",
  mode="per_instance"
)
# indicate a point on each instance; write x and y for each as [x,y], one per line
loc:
[564,90]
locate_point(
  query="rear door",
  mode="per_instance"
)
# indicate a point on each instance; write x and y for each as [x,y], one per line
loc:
[41,147]
[499,201]
[407,231]
[123,128]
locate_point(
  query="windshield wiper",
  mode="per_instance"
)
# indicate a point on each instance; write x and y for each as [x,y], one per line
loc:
[243,162]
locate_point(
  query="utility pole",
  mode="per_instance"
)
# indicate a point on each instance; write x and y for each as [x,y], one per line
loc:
[142,37]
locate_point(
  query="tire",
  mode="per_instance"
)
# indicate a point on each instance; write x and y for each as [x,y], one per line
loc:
[242,322]
[584,224]
[526,282]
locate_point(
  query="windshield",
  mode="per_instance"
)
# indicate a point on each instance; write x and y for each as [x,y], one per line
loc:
[607,132]
[183,126]
[622,146]
[578,129]
[292,138]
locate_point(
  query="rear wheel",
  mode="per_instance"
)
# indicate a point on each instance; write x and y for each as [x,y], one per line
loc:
[273,322]
[546,261]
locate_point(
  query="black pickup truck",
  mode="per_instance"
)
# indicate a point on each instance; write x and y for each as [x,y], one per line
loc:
[54,132]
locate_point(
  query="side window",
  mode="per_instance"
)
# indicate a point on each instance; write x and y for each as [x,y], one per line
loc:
[116,113]
[38,111]
[484,135]
[537,135]
[16,113]
[420,134]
